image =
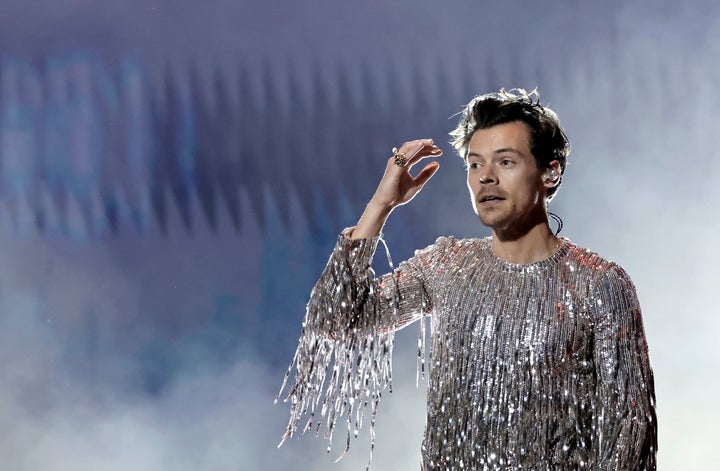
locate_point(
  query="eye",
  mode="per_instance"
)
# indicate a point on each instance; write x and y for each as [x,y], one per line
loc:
[506,162]
[474,165]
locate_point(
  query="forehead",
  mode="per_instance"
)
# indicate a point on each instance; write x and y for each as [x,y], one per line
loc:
[514,135]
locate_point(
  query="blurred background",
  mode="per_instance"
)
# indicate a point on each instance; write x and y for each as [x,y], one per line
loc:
[174,174]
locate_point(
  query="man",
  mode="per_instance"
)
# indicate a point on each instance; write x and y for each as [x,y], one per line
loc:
[538,358]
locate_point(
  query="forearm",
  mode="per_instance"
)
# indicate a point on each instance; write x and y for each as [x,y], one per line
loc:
[626,422]
[627,427]
[342,309]
[372,220]
[343,299]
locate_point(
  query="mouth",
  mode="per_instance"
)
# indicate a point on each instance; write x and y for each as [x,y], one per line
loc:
[490,199]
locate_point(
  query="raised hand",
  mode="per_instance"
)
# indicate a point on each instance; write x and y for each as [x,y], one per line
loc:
[397,186]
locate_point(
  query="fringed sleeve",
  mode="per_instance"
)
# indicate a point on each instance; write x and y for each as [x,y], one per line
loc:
[626,425]
[343,358]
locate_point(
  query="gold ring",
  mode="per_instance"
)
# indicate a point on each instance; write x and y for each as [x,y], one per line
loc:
[400,159]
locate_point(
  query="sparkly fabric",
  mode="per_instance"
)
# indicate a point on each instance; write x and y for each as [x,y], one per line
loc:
[540,367]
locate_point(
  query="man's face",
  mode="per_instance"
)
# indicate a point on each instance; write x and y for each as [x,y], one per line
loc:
[503,178]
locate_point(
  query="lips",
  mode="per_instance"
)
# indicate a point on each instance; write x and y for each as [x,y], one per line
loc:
[489,198]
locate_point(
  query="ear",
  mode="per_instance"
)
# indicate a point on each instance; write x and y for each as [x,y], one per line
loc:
[551,177]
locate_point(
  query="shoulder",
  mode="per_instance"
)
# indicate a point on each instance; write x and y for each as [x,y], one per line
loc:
[606,275]
[586,259]
[448,251]
[450,244]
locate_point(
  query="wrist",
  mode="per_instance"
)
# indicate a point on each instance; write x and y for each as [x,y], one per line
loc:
[372,220]
[379,207]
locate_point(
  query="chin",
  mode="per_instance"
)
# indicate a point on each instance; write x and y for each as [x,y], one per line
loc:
[491,223]
[495,223]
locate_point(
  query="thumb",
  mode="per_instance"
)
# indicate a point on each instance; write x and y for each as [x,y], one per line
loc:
[426,173]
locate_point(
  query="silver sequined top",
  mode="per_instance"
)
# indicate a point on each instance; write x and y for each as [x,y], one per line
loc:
[540,367]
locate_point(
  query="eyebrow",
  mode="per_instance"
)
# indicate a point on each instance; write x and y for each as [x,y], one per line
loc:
[498,151]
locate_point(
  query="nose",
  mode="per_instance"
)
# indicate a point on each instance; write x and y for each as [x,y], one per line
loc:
[487,176]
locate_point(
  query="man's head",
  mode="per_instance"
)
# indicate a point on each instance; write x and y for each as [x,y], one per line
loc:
[548,141]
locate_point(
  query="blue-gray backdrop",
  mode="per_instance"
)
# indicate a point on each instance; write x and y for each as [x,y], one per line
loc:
[173,175]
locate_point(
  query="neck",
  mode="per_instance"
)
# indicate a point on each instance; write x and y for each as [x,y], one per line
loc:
[524,247]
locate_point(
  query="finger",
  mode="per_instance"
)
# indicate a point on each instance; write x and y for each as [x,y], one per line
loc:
[413,151]
[417,142]
[422,152]
[426,174]
[410,148]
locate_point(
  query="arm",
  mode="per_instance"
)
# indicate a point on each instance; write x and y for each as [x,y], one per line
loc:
[348,301]
[625,420]
[350,323]
[351,316]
